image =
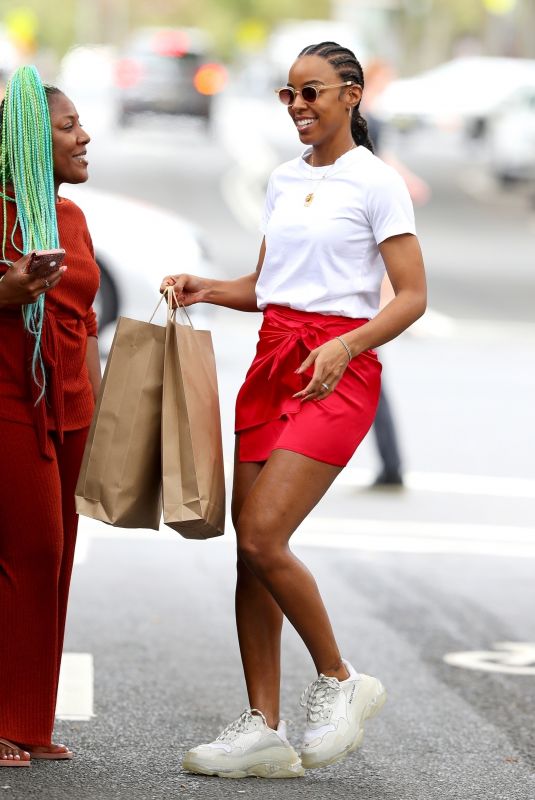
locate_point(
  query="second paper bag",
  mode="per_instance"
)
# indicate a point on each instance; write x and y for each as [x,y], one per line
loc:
[120,478]
[193,481]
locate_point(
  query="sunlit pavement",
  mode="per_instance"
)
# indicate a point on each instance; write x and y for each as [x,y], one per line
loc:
[429,587]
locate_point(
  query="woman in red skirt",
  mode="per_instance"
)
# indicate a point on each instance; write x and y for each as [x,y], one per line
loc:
[334,219]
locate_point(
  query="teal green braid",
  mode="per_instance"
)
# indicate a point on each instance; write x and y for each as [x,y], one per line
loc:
[26,162]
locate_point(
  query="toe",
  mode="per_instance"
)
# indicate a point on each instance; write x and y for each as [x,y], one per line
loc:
[13,753]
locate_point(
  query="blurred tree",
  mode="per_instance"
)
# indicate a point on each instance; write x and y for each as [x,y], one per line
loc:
[54,20]
[432,31]
[225,21]
[429,31]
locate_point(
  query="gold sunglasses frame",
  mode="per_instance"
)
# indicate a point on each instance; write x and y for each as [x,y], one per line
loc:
[318,89]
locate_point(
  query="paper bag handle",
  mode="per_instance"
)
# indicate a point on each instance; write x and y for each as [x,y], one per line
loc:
[171,312]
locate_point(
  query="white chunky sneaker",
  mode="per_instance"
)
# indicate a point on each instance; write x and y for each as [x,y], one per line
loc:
[336,711]
[247,747]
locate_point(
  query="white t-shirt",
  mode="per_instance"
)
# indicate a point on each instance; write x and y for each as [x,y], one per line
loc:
[324,257]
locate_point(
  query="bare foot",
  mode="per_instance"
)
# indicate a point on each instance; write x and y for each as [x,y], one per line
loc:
[9,751]
[51,751]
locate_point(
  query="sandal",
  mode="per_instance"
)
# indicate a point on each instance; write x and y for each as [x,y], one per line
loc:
[51,755]
[13,762]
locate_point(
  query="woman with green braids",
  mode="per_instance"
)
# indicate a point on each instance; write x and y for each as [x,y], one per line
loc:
[49,377]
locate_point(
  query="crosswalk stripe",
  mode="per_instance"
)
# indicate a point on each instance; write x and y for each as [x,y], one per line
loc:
[371,535]
[75,693]
[449,483]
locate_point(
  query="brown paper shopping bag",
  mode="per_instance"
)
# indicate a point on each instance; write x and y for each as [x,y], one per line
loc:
[120,477]
[193,481]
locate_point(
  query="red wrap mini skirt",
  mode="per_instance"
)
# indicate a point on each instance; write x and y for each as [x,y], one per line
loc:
[268,417]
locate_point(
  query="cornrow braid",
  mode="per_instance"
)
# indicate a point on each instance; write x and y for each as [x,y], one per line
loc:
[26,165]
[348,68]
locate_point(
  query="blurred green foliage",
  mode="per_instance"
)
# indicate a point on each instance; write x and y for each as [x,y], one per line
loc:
[224,19]
[55,20]
[62,23]
[428,30]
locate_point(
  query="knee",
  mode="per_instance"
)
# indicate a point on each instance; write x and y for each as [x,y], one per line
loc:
[258,546]
[249,554]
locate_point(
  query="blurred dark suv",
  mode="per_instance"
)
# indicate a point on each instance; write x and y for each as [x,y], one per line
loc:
[167,71]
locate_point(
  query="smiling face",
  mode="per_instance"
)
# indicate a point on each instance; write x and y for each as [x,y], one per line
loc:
[69,141]
[326,121]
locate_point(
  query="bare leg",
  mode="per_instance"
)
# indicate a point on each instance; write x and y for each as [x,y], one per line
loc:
[281,495]
[258,617]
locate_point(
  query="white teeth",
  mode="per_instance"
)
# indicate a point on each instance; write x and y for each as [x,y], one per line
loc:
[302,123]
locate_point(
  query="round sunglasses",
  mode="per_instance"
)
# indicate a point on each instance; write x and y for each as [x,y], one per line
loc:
[309,94]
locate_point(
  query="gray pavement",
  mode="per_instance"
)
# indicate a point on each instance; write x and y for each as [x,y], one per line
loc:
[158,618]
[407,575]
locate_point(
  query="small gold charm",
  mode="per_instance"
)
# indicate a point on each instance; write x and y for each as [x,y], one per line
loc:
[309,198]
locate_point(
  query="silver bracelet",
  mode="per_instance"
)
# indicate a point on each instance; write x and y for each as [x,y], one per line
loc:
[348,351]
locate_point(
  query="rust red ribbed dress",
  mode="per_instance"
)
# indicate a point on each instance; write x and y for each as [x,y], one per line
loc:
[40,453]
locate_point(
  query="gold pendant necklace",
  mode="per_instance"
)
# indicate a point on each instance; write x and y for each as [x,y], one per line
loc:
[310,196]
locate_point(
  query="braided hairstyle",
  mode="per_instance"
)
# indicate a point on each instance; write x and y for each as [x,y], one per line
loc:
[348,68]
[27,169]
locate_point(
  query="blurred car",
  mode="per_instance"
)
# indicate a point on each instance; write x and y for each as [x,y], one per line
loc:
[136,244]
[511,139]
[462,94]
[167,71]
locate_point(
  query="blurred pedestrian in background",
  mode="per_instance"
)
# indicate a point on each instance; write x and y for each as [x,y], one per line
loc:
[334,217]
[379,74]
[49,377]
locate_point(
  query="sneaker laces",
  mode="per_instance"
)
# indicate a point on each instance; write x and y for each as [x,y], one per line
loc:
[233,729]
[319,697]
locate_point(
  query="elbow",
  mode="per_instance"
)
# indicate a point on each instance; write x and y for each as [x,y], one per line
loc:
[418,305]
[421,306]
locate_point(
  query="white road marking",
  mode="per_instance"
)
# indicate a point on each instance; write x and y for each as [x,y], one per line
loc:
[512,658]
[436,325]
[449,483]
[75,693]
[82,546]
[367,535]
[406,536]
[440,482]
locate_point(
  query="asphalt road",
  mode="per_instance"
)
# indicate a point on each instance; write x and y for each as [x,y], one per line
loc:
[410,577]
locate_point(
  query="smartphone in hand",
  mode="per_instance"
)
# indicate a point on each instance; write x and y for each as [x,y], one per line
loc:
[46,261]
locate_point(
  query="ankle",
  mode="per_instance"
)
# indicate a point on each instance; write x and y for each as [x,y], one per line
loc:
[271,719]
[337,670]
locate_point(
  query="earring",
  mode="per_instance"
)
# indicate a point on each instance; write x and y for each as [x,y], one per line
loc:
[350,110]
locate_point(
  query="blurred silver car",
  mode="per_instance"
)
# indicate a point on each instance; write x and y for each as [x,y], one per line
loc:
[167,71]
[511,139]
[136,244]
[461,94]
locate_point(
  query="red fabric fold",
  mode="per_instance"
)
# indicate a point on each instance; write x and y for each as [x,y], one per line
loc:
[285,340]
